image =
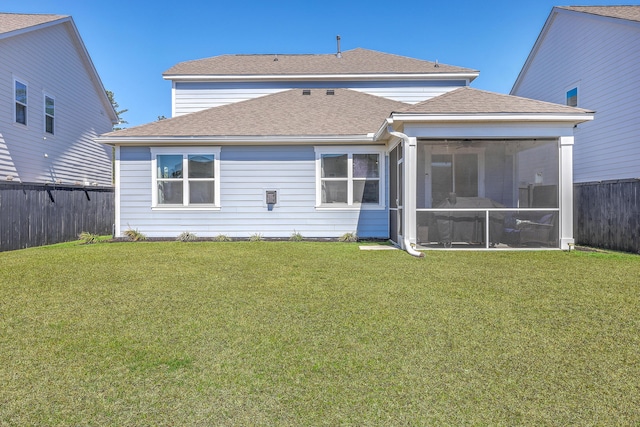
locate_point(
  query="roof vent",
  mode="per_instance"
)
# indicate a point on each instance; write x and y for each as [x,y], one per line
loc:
[339,53]
[331,92]
[436,65]
[306,91]
[275,59]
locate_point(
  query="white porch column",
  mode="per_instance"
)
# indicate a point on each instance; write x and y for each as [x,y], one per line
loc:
[117,182]
[410,177]
[566,192]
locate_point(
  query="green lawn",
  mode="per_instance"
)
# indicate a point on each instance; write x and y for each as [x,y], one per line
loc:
[296,334]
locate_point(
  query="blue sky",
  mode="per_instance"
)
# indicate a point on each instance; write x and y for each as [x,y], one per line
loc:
[133,42]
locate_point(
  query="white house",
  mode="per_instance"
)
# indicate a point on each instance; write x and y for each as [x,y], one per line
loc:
[52,104]
[587,56]
[383,145]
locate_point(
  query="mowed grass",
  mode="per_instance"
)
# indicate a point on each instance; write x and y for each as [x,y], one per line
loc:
[303,333]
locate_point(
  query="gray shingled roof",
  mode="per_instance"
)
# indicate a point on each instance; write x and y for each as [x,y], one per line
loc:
[288,113]
[356,61]
[18,21]
[630,13]
[467,100]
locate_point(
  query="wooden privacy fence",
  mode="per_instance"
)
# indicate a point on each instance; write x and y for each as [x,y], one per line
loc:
[607,214]
[38,214]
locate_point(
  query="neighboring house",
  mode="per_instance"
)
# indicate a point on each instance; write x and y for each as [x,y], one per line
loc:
[588,56]
[359,141]
[52,104]
[53,173]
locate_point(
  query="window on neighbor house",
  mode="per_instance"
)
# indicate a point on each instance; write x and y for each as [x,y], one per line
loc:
[21,102]
[187,179]
[350,178]
[49,114]
[572,97]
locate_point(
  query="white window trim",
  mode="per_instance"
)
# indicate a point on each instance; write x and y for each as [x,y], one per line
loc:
[46,95]
[13,98]
[350,151]
[185,152]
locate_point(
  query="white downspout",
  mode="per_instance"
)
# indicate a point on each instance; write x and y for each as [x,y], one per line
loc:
[409,186]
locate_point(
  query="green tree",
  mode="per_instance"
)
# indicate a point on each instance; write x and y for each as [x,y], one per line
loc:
[116,107]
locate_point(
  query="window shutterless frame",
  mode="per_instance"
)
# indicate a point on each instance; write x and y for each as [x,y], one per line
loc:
[350,177]
[572,93]
[185,178]
[20,96]
[49,114]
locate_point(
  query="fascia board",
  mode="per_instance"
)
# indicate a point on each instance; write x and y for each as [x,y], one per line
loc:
[321,77]
[236,140]
[382,131]
[495,117]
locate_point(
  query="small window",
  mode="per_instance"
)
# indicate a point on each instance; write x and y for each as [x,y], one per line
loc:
[21,102]
[572,97]
[186,180]
[49,114]
[349,178]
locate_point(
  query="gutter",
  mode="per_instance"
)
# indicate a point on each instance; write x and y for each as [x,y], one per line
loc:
[467,76]
[405,139]
[115,139]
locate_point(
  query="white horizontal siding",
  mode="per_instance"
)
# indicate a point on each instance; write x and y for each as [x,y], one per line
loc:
[245,174]
[7,168]
[48,60]
[195,96]
[602,58]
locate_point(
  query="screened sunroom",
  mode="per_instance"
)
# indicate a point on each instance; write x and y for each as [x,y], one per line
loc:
[487,193]
[470,174]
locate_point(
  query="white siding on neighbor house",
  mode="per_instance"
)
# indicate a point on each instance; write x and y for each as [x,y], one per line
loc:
[600,57]
[195,96]
[7,168]
[49,61]
[246,173]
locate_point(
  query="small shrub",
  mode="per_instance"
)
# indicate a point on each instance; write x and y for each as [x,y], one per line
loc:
[255,237]
[348,237]
[223,238]
[296,237]
[88,238]
[135,235]
[185,236]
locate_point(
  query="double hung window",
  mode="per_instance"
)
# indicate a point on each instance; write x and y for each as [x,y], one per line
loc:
[21,102]
[350,178]
[188,179]
[49,114]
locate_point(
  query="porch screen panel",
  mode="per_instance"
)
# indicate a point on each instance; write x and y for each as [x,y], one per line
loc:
[454,173]
[515,182]
[538,175]
[466,175]
[393,178]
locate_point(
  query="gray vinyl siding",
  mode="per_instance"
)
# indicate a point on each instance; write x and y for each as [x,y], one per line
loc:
[49,61]
[246,172]
[601,57]
[195,96]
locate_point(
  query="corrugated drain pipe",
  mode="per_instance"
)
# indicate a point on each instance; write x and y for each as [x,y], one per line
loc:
[405,139]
